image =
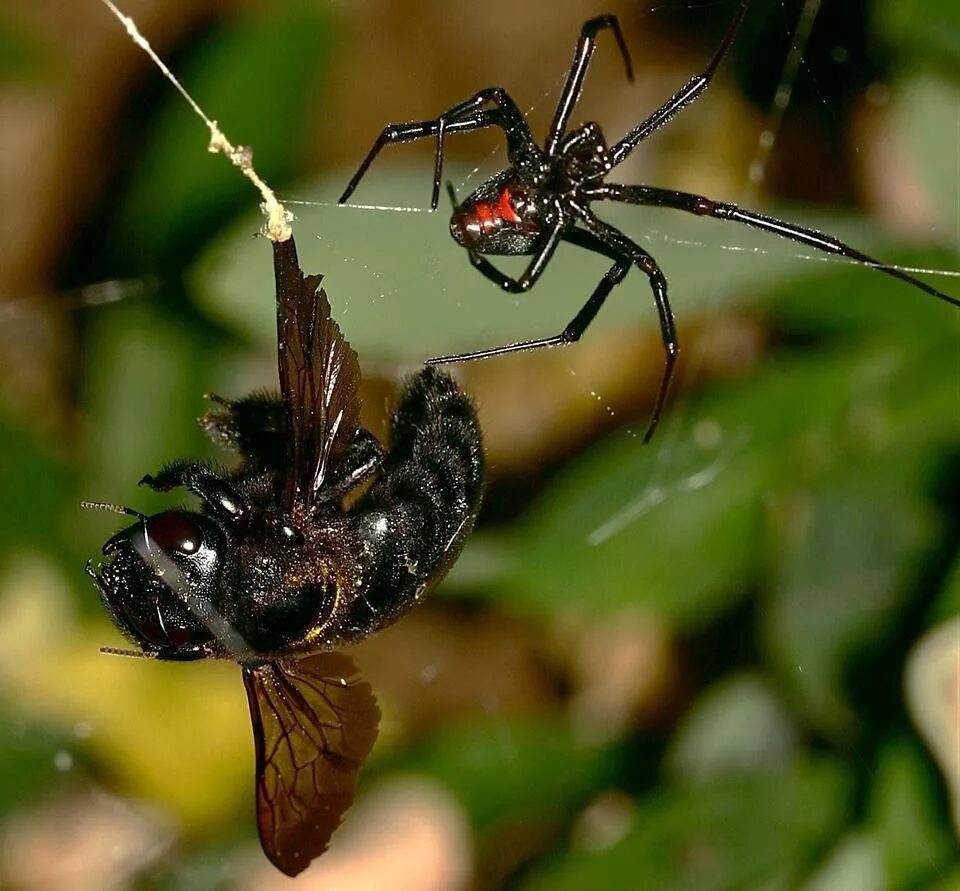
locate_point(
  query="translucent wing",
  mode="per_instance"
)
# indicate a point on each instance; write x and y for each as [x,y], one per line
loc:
[314,723]
[319,379]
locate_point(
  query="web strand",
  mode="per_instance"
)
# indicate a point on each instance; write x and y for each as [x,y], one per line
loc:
[278,217]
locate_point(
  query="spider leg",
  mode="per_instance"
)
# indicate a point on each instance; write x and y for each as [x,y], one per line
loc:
[462,118]
[624,254]
[578,71]
[690,91]
[417,130]
[614,243]
[544,251]
[519,138]
[701,206]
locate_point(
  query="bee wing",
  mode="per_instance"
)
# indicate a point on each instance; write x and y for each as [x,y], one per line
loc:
[314,723]
[319,378]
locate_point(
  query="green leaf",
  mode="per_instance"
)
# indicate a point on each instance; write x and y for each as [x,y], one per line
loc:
[925,32]
[675,527]
[35,486]
[738,725]
[843,552]
[854,302]
[508,772]
[903,812]
[403,290]
[947,604]
[28,762]
[735,833]
[949,882]
[142,396]
[256,75]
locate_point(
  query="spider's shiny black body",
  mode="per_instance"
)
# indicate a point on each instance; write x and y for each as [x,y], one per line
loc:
[544,196]
[319,538]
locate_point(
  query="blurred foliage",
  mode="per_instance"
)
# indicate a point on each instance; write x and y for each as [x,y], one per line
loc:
[791,531]
[923,32]
[24,56]
[757,830]
[513,773]
[258,71]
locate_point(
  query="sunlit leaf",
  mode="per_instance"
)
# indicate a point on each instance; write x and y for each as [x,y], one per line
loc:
[855,864]
[922,106]
[930,680]
[403,290]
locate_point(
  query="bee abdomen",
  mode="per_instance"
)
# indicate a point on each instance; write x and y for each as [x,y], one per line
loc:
[437,452]
[412,523]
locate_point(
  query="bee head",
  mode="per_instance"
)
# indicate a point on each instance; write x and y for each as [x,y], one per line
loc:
[159,580]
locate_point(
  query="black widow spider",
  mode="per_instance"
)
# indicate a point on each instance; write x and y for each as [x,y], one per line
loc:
[535,203]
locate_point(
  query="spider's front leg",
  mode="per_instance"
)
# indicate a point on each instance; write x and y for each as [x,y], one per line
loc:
[570,94]
[688,93]
[462,118]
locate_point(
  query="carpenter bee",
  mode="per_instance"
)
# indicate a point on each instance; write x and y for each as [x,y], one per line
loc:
[319,538]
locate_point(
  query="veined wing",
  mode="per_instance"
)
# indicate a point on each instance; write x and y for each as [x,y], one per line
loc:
[314,723]
[319,379]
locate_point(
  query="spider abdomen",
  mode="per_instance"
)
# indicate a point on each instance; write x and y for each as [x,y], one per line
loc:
[499,218]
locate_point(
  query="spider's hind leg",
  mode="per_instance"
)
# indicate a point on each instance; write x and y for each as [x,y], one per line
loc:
[604,239]
[625,254]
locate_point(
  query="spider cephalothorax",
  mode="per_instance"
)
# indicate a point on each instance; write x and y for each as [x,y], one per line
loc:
[544,197]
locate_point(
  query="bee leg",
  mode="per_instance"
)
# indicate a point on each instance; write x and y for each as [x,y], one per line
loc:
[203,481]
[360,462]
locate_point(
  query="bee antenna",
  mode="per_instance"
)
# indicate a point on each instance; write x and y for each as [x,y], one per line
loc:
[113,509]
[130,654]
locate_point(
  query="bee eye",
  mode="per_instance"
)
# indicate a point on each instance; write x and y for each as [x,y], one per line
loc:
[175,533]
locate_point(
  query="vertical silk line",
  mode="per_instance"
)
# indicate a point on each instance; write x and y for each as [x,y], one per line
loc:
[277,228]
[757,170]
